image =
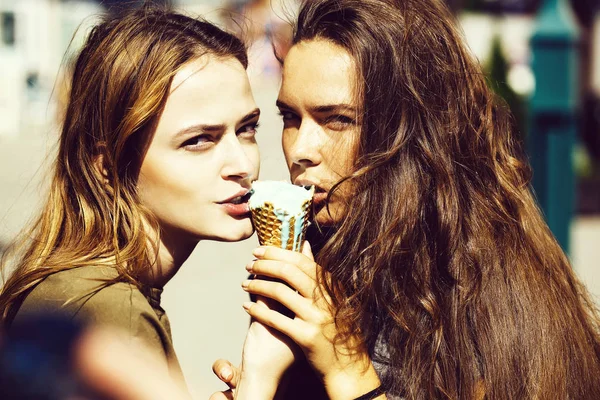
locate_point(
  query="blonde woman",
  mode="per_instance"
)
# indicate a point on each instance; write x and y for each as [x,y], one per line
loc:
[157,152]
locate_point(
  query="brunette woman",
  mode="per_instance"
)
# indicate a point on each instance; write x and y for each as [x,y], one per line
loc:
[157,152]
[437,264]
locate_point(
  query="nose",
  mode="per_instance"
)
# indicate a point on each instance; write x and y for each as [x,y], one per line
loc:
[301,146]
[239,163]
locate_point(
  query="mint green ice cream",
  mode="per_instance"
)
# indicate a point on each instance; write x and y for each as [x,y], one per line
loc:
[289,202]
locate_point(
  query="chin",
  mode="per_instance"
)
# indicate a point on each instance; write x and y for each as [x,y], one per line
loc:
[241,230]
[323,218]
[236,238]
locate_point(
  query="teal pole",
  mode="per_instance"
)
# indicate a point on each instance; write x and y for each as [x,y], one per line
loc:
[553,114]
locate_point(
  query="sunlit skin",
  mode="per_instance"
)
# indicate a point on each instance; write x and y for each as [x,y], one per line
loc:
[202,157]
[321,125]
[320,135]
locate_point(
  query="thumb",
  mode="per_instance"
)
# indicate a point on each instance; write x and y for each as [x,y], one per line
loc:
[307,250]
[226,372]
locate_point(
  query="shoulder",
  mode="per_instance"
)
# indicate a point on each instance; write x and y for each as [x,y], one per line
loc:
[82,293]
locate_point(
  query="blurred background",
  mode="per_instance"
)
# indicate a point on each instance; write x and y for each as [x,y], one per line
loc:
[541,56]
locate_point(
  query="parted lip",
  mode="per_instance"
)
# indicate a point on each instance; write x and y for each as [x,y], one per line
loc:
[320,195]
[319,198]
[238,197]
[308,182]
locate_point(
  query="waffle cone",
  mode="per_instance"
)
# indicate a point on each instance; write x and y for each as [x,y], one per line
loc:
[269,227]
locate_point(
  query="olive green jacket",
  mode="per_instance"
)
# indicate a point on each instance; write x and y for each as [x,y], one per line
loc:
[80,293]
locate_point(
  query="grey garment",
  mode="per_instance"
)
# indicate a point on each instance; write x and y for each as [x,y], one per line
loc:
[81,294]
[380,358]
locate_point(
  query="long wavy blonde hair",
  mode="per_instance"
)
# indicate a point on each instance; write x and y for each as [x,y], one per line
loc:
[120,84]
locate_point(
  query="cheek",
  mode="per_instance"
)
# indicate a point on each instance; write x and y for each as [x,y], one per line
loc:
[165,181]
[253,154]
[340,155]
[151,176]
[285,145]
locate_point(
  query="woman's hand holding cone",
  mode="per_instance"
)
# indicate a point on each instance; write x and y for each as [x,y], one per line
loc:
[345,373]
[266,356]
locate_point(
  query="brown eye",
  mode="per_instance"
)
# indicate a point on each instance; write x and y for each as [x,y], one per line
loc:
[339,122]
[287,115]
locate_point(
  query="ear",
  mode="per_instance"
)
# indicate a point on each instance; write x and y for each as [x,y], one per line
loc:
[99,163]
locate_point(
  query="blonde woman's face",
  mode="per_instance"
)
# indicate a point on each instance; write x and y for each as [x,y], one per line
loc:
[203,156]
[321,124]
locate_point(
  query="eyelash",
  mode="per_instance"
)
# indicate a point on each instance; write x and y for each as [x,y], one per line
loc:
[254,128]
[191,144]
[332,119]
[341,119]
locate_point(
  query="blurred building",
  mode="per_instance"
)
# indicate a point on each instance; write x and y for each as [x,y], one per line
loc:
[12,72]
[37,36]
[37,40]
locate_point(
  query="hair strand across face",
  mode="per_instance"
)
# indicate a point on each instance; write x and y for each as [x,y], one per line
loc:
[445,259]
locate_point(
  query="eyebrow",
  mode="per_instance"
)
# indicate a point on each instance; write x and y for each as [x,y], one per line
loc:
[322,108]
[251,115]
[215,128]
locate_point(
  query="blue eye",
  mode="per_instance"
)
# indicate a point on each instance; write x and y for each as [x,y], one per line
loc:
[198,142]
[249,130]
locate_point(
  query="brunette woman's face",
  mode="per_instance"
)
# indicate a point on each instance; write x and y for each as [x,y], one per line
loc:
[321,125]
[203,156]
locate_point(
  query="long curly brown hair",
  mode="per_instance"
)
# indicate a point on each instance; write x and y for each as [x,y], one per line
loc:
[120,83]
[445,257]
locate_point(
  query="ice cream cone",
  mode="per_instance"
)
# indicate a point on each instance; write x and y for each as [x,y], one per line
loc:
[281,220]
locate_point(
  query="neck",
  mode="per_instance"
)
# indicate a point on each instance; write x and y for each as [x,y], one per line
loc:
[174,249]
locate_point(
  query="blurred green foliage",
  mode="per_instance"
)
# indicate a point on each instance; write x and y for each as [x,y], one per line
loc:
[497,71]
